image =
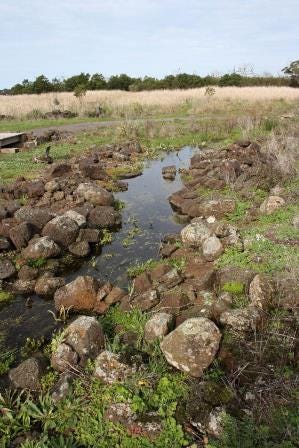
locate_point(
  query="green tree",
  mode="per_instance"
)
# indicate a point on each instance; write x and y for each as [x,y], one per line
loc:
[293,71]
[97,82]
[78,80]
[230,80]
[41,85]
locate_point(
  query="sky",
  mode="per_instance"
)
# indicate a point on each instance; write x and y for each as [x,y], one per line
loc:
[145,37]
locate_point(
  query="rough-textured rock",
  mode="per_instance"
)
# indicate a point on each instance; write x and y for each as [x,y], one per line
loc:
[43,247]
[169,280]
[145,301]
[28,374]
[232,274]
[261,292]
[61,388]
[7,268]
[241,319]
[80,248]
[27,273]
[34,215]
[296,222]
[109,369]
[79,219]
[271,204]
[212,248]
[59,170]
[64,358]
[85,335]
[158,326]
[94,194]
[4,243]
[24,286]
[169,172]
[62,230]
[195,233]
[92,170]
[142,283]
[52,186]
[287,292]
[21,234]
[78,295]
[192,346]
[35,189]
[104,217]
[47,285]
[114,296]
[89,235]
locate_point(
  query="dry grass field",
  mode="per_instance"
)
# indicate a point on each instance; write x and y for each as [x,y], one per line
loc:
[150,103]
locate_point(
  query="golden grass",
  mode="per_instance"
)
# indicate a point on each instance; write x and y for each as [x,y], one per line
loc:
[131,104]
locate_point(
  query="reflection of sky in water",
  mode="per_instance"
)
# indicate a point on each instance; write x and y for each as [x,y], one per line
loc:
[147,205]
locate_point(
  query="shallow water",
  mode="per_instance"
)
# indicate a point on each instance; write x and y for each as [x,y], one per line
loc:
[147,211]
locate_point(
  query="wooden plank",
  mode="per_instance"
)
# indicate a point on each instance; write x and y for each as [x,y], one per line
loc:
[9,138]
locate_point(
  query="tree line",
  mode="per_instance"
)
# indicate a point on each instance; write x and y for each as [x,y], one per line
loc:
[97,81]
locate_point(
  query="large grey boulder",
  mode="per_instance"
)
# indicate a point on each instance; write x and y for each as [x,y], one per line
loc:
[212,248]
[62,229]
[36,216]
[86,337]
[43,247]
[195,234]
[94,194]
[192,346]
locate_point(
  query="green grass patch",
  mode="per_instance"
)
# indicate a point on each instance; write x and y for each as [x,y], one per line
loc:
[138,268]
[5,296]
[234,288]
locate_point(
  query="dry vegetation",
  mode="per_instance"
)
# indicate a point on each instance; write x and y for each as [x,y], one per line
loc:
[134,104]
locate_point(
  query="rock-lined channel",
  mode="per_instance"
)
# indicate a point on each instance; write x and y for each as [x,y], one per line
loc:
[147,211]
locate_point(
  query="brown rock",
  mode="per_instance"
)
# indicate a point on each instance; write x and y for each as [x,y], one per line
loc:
[142,283]
[114,296]
[21,234]
[7,268]
[62,230]
[78,295]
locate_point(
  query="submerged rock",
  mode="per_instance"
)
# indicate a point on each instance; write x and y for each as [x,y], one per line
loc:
[192,346]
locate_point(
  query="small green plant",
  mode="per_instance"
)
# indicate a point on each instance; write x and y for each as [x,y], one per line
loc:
[37,262]
[234,288]
[239,212]
[23,200]
[48,380]
[6,360]
[119,205]
[31,345]
[177,263]
[137,269]
[5,296]
[106,238]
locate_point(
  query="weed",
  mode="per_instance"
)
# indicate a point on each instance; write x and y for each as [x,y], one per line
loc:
[234,288]
[239,212]
[119,205]
[31,345]
[106,238]
[37,262]
[5,296]
[48,380]
[6,360]
[139,268]
[177,263]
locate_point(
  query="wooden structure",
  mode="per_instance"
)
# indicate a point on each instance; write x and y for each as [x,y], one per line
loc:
[11,138]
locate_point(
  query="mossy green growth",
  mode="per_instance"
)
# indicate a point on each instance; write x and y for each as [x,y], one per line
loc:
[5,296]
[37,262]
[234,288]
